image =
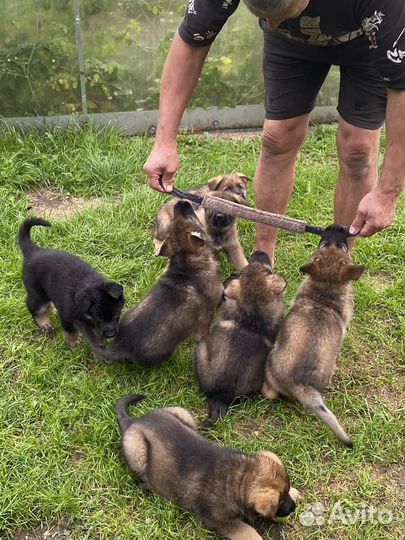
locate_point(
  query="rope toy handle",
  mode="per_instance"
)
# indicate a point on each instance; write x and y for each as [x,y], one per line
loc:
[252,214]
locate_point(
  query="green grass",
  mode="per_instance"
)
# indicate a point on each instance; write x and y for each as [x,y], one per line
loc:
[59,444]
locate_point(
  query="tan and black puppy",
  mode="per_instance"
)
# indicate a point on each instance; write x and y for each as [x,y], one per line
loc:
[220,485]
[312,332]
[221,229]
[181,303]
[230,361]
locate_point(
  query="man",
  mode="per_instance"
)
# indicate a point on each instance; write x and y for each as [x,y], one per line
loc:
[302,39]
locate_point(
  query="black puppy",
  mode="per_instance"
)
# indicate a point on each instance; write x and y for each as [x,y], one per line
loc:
[76,290]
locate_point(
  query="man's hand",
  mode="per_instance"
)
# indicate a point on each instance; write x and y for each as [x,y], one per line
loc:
[163,161]
[376,211]
[180,75]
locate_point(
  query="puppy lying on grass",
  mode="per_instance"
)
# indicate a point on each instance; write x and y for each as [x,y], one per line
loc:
[312,332]
[220,485]
[230,361]
[181,303]
[221,229]
[76,290]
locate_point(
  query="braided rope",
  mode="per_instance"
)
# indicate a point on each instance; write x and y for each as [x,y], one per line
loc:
[253,214]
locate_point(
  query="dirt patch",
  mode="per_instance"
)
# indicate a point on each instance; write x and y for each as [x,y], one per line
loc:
[378,374]
[249,427]
[394,474]
[381,280]
[50,204]
[43,533]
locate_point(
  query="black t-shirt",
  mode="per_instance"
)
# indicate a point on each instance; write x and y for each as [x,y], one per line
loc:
[323,23]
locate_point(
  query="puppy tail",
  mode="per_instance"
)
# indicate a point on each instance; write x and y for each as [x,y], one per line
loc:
[312,399]
[108,351]
[216,410]
[24,236]
[121,409]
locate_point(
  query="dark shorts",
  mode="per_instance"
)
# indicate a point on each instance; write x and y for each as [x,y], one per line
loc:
[294,73]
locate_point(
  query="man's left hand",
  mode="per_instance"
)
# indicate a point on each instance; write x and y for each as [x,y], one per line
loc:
[376,211]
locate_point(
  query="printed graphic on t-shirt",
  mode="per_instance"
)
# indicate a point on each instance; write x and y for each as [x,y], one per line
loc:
[396,55]
[371,25]
[310,27]
[209,34]
[226,4]
[191,7]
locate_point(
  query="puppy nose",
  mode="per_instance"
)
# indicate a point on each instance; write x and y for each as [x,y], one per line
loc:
[219,220]
[292,508]
[286,508]
[109,333]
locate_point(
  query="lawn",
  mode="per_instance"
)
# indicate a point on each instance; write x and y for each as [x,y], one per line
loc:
[60,467]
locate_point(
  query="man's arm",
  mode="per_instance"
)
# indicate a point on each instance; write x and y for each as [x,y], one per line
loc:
[376,210]
[202,22]
[179,78]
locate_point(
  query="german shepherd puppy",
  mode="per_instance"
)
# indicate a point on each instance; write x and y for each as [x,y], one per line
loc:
[76,290]
[221,228]
[181,303]
[220,485]
[312,332]
[230,361]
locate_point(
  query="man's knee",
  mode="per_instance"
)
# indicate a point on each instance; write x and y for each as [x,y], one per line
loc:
[283,137]
[358,152]
[356,159]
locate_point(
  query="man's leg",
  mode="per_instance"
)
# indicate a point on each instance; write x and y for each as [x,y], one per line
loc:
[358,159]
[275,173]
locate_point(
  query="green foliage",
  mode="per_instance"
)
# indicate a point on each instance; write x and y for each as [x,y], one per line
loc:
[125,46]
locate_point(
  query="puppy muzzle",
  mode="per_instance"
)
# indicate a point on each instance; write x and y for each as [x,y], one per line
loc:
[109,333]
[286,508]
[221,220]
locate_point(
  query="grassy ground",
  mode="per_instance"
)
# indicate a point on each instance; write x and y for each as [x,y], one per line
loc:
[60,470]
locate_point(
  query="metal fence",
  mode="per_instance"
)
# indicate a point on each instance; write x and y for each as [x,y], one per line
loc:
[64,61]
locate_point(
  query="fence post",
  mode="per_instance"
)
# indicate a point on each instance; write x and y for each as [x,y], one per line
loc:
[81,56]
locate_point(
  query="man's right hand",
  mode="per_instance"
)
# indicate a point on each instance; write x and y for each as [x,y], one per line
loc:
[162,162]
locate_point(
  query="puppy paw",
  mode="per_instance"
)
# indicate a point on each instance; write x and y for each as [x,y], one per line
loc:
[268,392]
[44,323]
[71,340]
[47,329]
[295,494]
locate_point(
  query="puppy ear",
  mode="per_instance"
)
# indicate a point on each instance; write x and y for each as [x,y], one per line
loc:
[165,249]
[277,283]
[198,234]
[232,290]
[157,245]
[214,182]
[352,272]
[265,502]
[245,179]
[115,290]
[197,239]
[307,268]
